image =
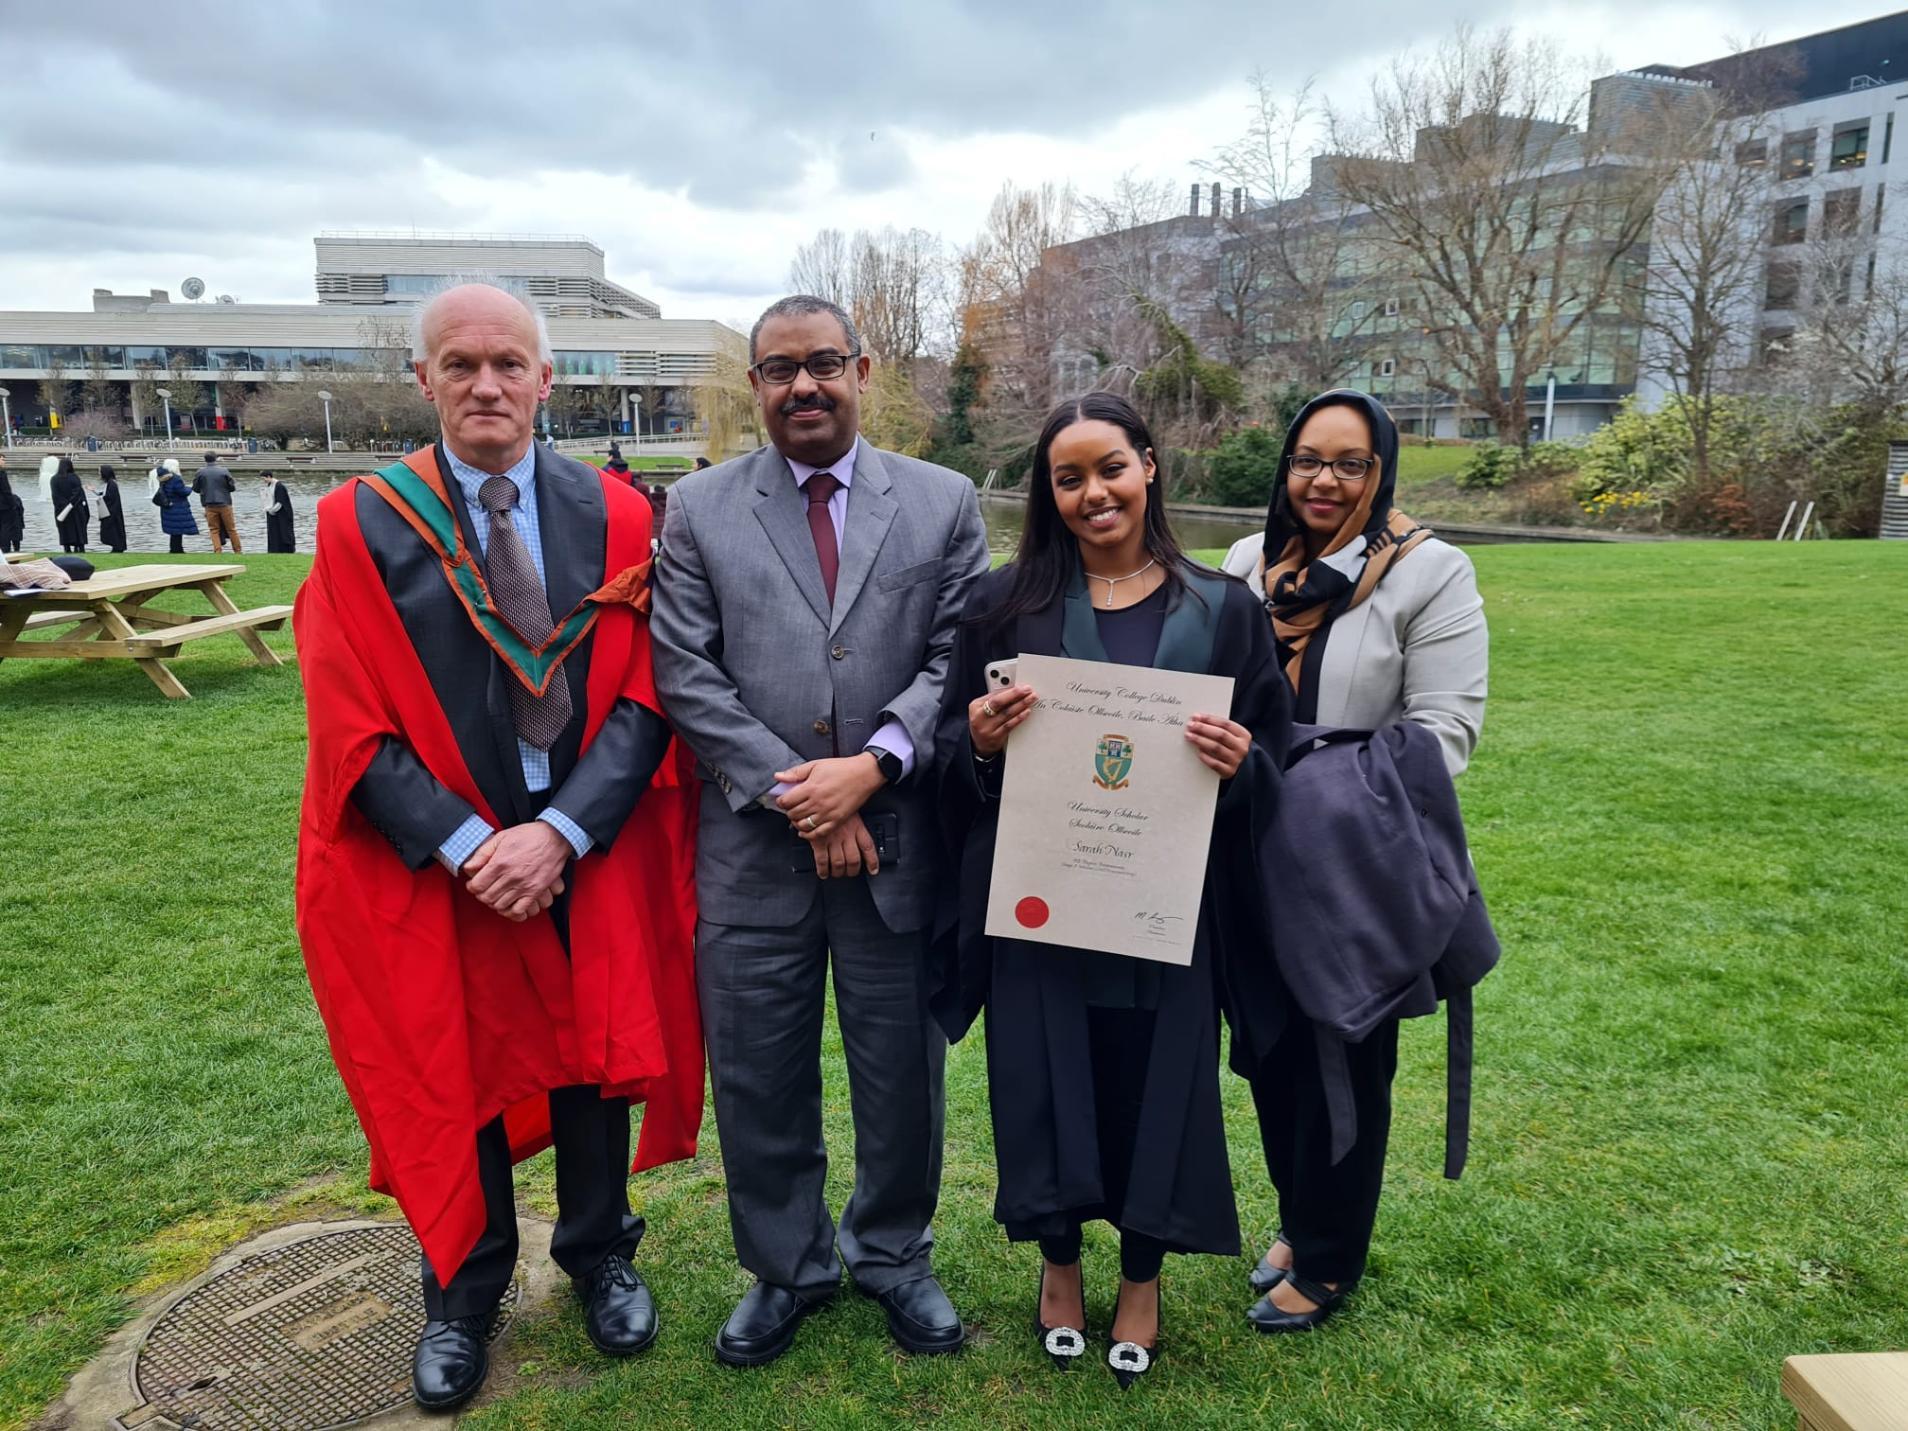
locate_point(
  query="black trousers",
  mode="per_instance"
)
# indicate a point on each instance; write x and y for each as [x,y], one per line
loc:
[1120,1042]
[1326,1213]
[177,544]
[593,1216]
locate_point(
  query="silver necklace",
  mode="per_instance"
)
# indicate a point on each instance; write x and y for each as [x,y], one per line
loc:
[1113,581]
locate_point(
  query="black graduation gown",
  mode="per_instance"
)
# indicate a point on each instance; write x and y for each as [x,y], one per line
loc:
[279,535]
[12,516]
[68,493]
[112,524]
[1179,1188]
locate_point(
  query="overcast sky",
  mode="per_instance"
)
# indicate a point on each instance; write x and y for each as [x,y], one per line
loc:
[697,145]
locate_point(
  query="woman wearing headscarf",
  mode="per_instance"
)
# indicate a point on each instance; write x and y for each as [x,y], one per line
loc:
[1376,621]
[280,536]
[1103,1071]
[112,521]
[175,506]
[70,512]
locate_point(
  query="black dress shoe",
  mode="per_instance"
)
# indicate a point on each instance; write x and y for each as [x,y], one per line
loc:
[1064,1344]
[618,1311]
[451,1362]
[1269,1316]
[1266,1276]
[921,1318]
[763,1324]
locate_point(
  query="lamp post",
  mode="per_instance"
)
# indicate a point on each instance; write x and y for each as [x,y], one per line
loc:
[6,416]
[1550,401]
[165,396]
[325,397]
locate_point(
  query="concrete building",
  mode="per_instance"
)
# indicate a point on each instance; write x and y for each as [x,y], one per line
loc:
[639,368]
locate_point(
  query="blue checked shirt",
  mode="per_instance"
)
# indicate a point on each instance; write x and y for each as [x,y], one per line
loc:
[465,839]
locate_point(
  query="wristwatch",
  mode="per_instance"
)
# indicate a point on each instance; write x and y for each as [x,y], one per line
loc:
[889,765]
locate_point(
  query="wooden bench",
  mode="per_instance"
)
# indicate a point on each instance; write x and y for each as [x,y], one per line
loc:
[1848,1392]
[167,642]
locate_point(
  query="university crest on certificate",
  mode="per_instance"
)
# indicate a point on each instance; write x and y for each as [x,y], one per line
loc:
[1106,810]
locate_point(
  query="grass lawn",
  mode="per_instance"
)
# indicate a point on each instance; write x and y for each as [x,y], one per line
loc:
[1419,465]
[1690,1154]
[641,464]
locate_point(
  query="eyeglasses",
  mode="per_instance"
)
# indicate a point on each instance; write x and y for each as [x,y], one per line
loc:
[822,367]
[1345,469]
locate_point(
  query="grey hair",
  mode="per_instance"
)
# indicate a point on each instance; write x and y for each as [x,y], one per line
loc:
[420,315]
[801,305]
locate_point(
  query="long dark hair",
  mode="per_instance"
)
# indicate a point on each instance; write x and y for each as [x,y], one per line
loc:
[65,469]
[1048,553]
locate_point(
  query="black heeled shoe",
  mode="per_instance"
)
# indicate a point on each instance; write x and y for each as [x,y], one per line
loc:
[1129,1361]
[1266,1276]
[1065,1345]
[1269,1316]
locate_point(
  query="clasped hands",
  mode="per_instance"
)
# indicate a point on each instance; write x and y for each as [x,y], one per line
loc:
[519,871]
[1220,744]
[825,809]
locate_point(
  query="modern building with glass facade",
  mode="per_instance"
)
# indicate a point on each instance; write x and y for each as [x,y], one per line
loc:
[641,366]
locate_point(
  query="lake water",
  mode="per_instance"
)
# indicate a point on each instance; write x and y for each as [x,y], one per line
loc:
[1004,517]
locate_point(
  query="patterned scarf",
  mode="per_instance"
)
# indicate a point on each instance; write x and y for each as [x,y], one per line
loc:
[1304,595]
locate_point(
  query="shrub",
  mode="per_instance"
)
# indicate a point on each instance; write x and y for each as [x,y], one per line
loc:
[1487,468]
[1241,470]
[1550,459]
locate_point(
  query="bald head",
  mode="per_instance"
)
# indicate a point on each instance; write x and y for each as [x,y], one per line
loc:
[476,299]
[483,361]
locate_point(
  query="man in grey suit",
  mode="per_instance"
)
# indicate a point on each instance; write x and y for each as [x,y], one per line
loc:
[803,619]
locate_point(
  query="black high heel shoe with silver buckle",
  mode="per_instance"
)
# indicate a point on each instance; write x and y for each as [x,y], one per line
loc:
[1065,1345]
[1266,1275]
[1130,1361]
[1268,1316]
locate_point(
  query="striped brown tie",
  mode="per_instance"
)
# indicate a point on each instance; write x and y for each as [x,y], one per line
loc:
[523,603]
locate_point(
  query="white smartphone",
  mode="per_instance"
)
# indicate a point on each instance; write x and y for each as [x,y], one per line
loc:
[1000,674]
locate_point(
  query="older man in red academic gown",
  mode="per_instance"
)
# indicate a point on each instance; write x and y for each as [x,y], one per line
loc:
[494,889]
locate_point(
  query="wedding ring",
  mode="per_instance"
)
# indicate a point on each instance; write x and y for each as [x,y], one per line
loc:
[809,822]
[987,709]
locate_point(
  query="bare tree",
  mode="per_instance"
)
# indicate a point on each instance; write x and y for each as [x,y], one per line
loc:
[1515,207]
[187,392]
[100,392]
[894,287]
[823,267]
[1703,283]
[1850,343]
[55,391]
[1010,308]
[1302,284]
[726,407]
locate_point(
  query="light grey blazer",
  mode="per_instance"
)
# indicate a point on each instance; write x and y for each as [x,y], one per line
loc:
[756,670]
[1416,649]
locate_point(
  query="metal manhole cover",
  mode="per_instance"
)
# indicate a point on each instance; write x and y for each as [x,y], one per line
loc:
[314,1334]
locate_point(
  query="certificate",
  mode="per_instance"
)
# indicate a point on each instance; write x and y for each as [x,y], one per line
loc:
[1106,810]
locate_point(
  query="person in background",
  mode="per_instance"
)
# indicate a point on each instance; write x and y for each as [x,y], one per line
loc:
[70,513]
[280,536]
[12,513]
[112,522]
[175,506]
[214,485]
[658,494]
[1376,621]
[702,462]
[616,467]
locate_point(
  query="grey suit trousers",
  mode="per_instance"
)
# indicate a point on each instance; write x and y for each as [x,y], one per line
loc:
[763,992]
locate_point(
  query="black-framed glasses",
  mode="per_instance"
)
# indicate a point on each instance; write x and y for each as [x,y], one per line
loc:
[822,367]
[1345,469]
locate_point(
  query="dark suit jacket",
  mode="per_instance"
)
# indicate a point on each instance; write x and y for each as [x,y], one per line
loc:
[403,800]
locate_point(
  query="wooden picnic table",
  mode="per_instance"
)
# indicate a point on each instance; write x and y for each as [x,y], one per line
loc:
[109,620]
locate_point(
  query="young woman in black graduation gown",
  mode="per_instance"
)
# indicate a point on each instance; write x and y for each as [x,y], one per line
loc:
[280,536]
[69,496]
[1103,1071]
[112,521]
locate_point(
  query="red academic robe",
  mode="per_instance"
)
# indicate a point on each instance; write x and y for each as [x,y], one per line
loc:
[442,1014]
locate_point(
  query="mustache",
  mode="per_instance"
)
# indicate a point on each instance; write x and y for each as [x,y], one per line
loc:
[816,402]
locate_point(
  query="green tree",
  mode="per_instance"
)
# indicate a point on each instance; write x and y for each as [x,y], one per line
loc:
[1241,470]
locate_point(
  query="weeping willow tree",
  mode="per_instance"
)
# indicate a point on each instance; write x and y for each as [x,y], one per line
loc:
[726,408]
[1186,394]
[894,415]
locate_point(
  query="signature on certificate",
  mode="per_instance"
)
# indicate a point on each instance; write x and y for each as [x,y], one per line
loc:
[1157,923]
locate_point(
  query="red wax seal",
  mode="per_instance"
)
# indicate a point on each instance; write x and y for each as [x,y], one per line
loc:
[1032,912]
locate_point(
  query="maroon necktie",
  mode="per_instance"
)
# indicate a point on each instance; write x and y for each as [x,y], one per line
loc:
[820,487]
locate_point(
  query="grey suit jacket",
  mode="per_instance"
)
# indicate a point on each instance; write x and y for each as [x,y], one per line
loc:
[1417,650]
[758,672]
